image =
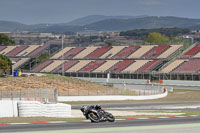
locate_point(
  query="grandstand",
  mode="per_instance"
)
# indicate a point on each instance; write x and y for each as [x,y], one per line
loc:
[22,54]
[184,67]
[139,60]
[192,52]
[114,59]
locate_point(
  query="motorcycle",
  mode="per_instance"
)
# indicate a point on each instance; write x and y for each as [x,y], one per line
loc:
[96,114]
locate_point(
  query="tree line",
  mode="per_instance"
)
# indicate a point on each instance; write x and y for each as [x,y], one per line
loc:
[143,33]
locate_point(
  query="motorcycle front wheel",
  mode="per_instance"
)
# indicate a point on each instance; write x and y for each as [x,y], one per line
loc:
[110,117]
[93,117]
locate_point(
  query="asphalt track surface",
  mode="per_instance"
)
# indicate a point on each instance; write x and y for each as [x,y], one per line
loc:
[88,125]
[146,106]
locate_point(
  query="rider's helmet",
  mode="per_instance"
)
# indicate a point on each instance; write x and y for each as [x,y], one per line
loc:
[83,108]
[98,106]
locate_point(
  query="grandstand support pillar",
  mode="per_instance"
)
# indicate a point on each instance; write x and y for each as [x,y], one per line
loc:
[192,76]
[62,56]
[184,76]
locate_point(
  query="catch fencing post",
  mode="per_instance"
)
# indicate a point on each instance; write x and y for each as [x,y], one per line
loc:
[55,95]
[28,94]
[1,94]
[20,95]
[46,96]
[41,94]
[35,94]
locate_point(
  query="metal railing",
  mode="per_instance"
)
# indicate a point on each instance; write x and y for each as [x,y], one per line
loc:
[44,95]
[151,90]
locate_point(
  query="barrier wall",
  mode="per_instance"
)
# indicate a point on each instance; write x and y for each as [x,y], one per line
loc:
[118,81]
[8,108]
[108,98]
[181,82]
[11,108]
[37,109]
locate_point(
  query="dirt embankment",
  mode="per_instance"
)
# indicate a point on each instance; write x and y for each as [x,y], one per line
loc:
[63,84]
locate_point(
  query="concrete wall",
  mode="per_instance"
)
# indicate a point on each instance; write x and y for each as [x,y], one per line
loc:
[33,109]
[117,81]
[181,82]
[8,108]
[37,109]
[109,98]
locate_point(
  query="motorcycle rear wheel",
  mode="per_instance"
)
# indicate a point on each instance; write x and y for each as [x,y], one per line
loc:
[93,117]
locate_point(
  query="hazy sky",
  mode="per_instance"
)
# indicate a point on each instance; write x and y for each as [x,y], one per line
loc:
[58,11]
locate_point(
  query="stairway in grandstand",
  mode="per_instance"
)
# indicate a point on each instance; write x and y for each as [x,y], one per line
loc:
[187,63]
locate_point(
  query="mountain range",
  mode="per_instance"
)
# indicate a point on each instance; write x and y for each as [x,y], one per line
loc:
[105,23]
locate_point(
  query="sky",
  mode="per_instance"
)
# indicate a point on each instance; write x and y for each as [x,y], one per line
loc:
[62,11]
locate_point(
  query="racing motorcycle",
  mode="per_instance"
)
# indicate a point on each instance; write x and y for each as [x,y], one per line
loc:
[96,114]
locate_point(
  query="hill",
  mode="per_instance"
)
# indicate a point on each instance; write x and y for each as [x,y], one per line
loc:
[128,24]
[9,26]
[114,24]
[142,23]
[95,18]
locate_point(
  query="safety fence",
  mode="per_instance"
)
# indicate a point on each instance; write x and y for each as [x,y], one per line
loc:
[50,95]
[153,76]
[149,90]
[44,95]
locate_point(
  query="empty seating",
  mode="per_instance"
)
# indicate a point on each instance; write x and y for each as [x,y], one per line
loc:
[97,53]
[112,52]
[28,50]
[149,66]
[41,66]
[19,62]
[15,59]
[197,55]
[141,51]
[72,52]
[107,65]
[192,51]
[52,66]
[172,66]
[170,51]
[120,66]
[191,66]
[7,49]
[85,52]
[78,66]
[92,65]
[68,64]
[59,54]
[126,52]
[135,66]
[38,50]
[156,51]
[2,48]
[17,50]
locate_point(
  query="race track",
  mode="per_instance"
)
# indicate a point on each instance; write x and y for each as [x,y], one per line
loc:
[119,125]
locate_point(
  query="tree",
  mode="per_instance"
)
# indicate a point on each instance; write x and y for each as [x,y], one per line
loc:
[156,38]
[5,40]
[180,40]
[43,57]
[109,43]
[5,62]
